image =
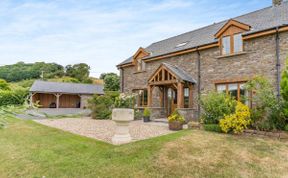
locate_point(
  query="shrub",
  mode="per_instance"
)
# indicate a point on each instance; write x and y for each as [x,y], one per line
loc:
[237,121]
[125,101]
[15,97]
[176,117]
[4,85]
[212,127]
[267,112]
[215,106]
[137,114]
[101,106]
[146,112]
[286,128]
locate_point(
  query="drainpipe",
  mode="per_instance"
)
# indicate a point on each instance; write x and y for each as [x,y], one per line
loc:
[122,80]
[199,81]
[278,65]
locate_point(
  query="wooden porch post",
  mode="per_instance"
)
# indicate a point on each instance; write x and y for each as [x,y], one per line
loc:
[180,95]
[149,91]
[57,100]
[190,95]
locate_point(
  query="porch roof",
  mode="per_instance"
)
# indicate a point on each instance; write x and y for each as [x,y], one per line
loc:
[180,73]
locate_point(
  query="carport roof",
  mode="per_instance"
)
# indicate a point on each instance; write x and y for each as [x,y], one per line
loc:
[69,88]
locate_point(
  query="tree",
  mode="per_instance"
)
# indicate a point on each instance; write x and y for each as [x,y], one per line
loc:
[79,71]
[22,71]
[111,81]
[284,88]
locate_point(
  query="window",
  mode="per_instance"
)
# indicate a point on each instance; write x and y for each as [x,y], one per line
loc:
[181,44]
[226,45]
[238,43]
[236,90]
[232,44]
[140,65]
[186,97]
[141,98]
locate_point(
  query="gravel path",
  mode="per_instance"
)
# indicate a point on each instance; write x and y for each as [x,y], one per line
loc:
[104,129]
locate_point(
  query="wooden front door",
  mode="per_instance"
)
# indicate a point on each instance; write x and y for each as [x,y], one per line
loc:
[172,101]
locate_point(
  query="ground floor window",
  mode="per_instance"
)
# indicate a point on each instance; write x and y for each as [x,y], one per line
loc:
[236,90]
[141,97]
[186,97]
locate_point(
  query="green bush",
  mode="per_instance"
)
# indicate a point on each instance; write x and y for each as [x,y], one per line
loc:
[267,112]
[14,97]
[125,101]
[146,112]
[286,128]
[215,106]
[212,128]
[101,106]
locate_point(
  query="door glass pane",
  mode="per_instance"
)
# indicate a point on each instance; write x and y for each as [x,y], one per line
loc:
[238,43]
[226,45]
[233,88]
[221,88]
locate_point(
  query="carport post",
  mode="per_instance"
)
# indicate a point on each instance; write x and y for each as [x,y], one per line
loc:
[57,100]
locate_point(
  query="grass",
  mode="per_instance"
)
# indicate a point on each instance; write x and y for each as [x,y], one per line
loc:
[28,149]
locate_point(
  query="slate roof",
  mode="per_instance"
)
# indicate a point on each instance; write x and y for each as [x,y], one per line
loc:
[69,88]
[180,73]
[259,20]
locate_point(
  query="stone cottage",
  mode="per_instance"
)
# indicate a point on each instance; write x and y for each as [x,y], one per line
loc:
[174,72]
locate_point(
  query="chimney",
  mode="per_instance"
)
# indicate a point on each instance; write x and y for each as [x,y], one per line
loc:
[277,2]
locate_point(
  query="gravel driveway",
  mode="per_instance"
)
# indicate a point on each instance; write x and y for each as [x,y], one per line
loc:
[104,129]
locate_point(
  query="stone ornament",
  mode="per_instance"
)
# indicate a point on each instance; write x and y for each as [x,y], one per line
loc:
[122,118]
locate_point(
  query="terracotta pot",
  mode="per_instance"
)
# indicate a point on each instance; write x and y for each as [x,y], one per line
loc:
[175,125]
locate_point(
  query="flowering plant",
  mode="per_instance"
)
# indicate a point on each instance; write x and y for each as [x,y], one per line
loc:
[125,100]
[237,121]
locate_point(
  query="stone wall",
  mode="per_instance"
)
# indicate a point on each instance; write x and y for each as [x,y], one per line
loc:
[258,59]
[84,101]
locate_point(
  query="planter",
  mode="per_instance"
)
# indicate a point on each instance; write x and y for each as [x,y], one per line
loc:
[122,117]
[175,125]
[146,118]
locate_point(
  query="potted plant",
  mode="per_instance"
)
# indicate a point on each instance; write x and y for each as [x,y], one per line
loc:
[176,121]
[146,115]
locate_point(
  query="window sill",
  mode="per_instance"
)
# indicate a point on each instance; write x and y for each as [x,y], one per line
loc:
[231,55]
[139,72]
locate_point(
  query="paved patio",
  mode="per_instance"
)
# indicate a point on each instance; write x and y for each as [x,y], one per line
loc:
[104,129]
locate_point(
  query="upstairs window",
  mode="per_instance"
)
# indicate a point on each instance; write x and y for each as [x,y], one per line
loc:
[226,48]
[238,43]
[232,44]
[140,65]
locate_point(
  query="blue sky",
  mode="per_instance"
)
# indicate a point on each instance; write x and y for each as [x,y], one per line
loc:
[102,33]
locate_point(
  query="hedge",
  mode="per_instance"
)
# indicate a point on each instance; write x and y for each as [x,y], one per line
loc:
[15,97]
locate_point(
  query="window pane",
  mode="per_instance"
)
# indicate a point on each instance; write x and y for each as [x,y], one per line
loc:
[226,45]
[145,99]
[243,95]
[238,43]
[186,97]
[139,64]
[221,88]
[143,65]
[233,88]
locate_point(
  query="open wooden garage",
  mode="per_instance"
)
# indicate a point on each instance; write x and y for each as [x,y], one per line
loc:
[62,95]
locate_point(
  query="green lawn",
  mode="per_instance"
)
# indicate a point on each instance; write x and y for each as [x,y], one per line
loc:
[28,149]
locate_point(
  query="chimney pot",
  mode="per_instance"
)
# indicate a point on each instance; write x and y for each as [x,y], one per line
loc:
[277,2]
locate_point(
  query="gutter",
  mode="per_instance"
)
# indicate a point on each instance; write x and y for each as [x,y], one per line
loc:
[278,65]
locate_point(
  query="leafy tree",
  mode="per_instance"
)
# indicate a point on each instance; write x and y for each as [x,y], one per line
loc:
[79,71]
[284,88]
[111,81]
[22,71]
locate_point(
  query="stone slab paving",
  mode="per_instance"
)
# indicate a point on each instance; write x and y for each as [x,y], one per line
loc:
[104,129]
